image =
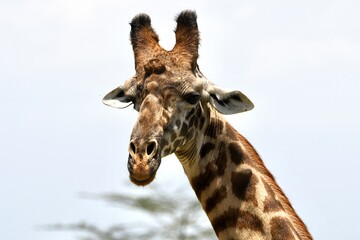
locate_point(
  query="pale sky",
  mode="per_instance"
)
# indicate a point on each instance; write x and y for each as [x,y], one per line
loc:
[298,62]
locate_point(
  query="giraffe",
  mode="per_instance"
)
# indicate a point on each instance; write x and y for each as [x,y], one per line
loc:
[181,112]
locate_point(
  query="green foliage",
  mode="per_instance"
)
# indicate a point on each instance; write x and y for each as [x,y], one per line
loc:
[173,216]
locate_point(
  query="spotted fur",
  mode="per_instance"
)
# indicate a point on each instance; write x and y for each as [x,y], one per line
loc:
[180,112]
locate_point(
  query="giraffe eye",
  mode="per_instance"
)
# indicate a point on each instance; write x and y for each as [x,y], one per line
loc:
[192,98]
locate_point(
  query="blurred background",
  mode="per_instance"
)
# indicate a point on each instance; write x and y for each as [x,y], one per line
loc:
[63,154]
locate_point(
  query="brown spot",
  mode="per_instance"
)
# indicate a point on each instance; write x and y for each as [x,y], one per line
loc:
[205,149]
[198,113]
[164,142]
[167,151]
[184,129]
[280,229]
[214,129]
[192,111]
[268,189]
[142,121]
[173,136]
[201,182]
[231,132]
[191,121]
[236,153]
[213,169]
[198,118]
[221,160]
[270,203]
[197,122]
[178,123]
[226,220]
[190,134]
[201,122]
[250,221]
[244,185]
[215,198]
[176,143]
[234,217]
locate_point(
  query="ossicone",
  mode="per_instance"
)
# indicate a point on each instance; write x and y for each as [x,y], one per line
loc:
[187,36]
[143,38]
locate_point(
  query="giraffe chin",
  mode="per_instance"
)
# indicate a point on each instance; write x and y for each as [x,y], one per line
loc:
[143,175]
[142,182]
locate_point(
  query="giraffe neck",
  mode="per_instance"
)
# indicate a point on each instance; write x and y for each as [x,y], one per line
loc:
[239,195]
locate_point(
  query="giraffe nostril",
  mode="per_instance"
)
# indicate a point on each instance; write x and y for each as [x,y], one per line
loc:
[132,147]
[151,148]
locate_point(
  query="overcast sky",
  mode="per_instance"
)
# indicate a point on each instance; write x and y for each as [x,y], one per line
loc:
[298,62]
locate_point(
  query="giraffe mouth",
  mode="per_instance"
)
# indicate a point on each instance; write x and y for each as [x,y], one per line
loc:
[141,173]
[142,182]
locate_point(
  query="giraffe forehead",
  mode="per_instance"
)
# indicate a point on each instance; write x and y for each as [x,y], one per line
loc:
[164,61]
[171,84]
[168,68]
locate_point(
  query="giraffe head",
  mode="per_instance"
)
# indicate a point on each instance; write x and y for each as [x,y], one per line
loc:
[170,93]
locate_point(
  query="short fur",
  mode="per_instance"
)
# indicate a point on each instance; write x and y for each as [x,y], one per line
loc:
[180,112]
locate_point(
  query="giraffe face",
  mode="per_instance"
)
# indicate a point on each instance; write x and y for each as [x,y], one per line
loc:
[167,103]
[170,94]
[172,108]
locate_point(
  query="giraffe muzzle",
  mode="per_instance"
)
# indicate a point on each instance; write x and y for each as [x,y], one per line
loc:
[144,160]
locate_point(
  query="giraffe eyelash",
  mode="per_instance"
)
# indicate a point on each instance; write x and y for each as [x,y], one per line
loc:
[192,98]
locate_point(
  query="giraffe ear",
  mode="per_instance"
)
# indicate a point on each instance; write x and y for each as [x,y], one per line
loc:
[187,36]
[123,96]
[228,101]
[117,98]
